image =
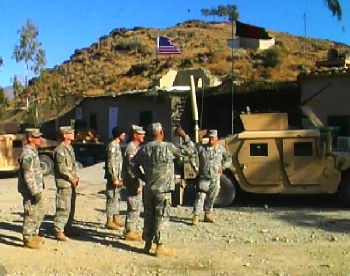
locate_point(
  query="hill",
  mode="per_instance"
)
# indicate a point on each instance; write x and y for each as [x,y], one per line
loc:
[125,60]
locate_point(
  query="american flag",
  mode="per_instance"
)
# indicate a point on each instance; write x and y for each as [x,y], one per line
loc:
[166,47]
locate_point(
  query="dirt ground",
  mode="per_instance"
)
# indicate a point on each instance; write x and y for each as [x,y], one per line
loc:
[257,236]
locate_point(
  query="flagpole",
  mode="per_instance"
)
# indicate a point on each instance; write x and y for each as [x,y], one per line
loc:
[232,84]
[156,67]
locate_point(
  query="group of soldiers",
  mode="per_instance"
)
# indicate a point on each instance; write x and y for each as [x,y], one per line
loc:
[146,170]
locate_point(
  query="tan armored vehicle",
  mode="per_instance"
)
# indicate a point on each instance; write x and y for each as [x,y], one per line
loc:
[10,150]
[270,158]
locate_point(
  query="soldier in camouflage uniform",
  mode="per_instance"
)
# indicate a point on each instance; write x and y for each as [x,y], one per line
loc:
[66,178]
[133,185]
[213,160]
[30,186]
[113,175]
[156,159]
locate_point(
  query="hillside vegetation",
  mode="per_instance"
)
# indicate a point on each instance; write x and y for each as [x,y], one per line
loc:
[125,60]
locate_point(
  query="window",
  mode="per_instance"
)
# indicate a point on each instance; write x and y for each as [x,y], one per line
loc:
[303,149]
[16,144]
[260,149]
[93,121]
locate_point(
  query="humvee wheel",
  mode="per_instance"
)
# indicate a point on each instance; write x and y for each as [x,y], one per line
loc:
[344,190]
[227,192]
[46,164]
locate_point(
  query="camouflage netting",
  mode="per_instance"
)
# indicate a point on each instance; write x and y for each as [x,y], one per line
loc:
[325,72]
[46,112]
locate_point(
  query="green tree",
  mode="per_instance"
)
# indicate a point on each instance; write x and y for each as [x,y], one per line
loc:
[213,12]
[29,50]
[232,12]
[3,101]
[17,87]
[335,7]
[205,12]
[222,11]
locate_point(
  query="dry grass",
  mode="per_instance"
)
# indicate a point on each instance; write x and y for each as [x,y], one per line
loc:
[105,67]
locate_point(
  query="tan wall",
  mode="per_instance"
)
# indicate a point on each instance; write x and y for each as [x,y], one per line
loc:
[249,43]
[335,100]
[234,43]
[261,44]
[168,79]
[183,77]
[129,108]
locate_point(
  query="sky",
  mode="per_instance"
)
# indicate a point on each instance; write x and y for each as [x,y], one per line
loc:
[66,25]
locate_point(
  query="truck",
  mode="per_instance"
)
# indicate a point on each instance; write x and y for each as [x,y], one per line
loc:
[270,158]
[11,144]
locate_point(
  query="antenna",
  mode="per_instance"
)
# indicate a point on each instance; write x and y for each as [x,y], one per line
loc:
[304,16]
[232,69]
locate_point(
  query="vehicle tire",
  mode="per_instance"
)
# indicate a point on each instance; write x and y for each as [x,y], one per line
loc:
[46,164]
[344,190]
[227,192]
[79,165]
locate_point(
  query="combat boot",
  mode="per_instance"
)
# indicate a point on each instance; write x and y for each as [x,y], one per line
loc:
[195,221]
[131,235]
[149,248]
[111,225]
[60,236]
[162,251]
[207,218]
[118,221]
[32,244]
[39,239]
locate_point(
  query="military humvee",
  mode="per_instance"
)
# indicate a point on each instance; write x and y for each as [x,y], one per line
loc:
[10,150]
[270,158]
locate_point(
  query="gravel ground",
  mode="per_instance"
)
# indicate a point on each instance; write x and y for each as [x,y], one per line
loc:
[257,236]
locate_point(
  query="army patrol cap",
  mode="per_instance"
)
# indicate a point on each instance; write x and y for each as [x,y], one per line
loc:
[212,133]
[137,129]
[34,132]
[155,127]
[66,130]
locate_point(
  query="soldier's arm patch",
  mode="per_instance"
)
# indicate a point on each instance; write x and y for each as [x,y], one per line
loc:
[27,162]
[60,157]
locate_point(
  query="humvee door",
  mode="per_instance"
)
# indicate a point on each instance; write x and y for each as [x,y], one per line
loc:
[260,162]
[303,163]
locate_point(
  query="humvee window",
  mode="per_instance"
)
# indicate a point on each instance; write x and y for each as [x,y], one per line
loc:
[258,149]
[17,144]
[303,149]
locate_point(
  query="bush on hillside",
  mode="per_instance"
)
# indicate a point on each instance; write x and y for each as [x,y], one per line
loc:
[272,57]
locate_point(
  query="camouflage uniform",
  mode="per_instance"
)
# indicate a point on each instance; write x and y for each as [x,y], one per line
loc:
[132,184]
[113,170]
[157,160]
[211,159]
[30,183]
[65,169]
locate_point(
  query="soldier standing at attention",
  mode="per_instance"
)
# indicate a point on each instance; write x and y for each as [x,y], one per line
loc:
[133,185]
[113,175]
[213,160]
[30,186]
[156,158]
[67,180]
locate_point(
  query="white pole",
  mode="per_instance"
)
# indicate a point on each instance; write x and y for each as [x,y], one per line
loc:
[194,109]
